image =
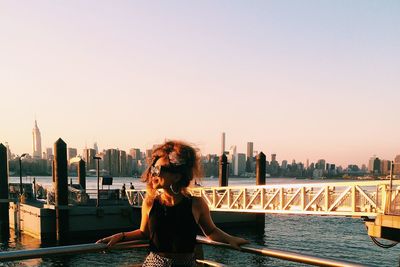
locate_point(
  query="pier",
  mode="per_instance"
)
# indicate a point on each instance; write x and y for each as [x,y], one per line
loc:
[67,215]
[64,220]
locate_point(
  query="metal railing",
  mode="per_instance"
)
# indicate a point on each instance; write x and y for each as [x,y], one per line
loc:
[85,248]
[356,198]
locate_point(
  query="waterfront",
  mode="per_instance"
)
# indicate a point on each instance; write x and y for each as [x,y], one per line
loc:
[335,237]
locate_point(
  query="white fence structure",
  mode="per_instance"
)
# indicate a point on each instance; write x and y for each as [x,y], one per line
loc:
[348,198]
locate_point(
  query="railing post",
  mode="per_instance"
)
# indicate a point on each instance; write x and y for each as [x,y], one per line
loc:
[223,171]
[260,169]
[326,198]
[4,206]
[353,198]
[82,173]
[390,188]
[281,198]
[61,190]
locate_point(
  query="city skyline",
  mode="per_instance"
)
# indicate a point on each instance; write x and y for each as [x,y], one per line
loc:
[73,151]
[301,80]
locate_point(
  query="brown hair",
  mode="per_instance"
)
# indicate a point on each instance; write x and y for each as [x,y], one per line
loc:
[177,153]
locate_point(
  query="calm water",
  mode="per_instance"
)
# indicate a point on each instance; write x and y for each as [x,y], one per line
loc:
[334,237]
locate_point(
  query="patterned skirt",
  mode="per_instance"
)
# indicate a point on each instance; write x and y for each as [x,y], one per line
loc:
[155,260]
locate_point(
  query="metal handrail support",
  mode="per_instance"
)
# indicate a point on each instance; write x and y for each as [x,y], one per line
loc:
[94,247]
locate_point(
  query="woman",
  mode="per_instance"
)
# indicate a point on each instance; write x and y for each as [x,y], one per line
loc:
[171,216]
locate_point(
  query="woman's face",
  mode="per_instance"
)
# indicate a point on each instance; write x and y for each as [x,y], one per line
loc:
[160,177]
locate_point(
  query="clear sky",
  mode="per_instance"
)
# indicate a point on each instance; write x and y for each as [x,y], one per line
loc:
[302,79]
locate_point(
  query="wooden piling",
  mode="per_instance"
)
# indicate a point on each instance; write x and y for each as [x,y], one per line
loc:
[61,190]
[223,171]
[261,163]
[260,168]
[82,173]
[4,206]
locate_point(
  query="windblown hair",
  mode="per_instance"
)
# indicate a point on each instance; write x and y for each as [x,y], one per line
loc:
[176,153]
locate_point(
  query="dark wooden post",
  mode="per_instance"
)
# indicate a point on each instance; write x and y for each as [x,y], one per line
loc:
[260,180]
[82,173]
[53,173]
[61,190]
[223,171]
[4,206]
[260,169]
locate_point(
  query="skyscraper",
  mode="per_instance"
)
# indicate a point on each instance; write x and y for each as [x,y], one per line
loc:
[88,154]
[371,164]
[396,169]
[49,153]
[232,158]
[96,147]
[321,164]
[223,143]
[249,150]
[37,142]
[135,153]
[71,152]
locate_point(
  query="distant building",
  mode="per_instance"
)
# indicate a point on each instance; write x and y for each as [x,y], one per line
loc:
[385,167]
[284,164]
[318,173]
[320,164]
[135,153]
[364,168]
[129,165]
[49,153]
[396,169]
[37,142]
[274,166]
[250,150]
[232,159]
[148,153]
[111,161]
[241,162]
[377,166]
[88,154]
[374,165]
[371,164]
[71,153]
[96,147]
[273,157]
[122,164]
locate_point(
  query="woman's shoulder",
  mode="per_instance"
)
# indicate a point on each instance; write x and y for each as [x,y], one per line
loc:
[198,202]
[148,202]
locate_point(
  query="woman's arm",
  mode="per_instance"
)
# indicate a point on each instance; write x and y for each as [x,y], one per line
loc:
[141,233]
[202,212]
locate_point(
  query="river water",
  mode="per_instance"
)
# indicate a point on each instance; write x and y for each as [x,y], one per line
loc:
[339,238]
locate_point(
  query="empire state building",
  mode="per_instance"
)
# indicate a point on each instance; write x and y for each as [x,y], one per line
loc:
[37,142]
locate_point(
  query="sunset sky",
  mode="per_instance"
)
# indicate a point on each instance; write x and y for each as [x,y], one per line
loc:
[302,79]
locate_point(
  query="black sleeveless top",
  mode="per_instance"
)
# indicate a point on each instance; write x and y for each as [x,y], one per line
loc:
[172,229]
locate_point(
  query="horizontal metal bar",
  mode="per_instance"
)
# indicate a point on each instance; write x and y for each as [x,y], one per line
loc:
[50,251]
[211,263]
[63,250]
[284,255]
[93,247]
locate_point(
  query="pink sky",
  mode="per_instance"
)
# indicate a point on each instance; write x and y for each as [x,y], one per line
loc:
[302,80]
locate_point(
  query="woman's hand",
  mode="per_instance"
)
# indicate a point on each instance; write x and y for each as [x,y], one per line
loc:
[111,240]
[236,242]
